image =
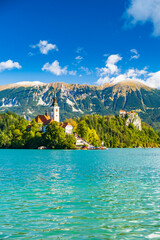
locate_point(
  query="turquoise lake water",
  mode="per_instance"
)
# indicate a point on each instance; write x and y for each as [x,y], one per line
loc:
[112,194]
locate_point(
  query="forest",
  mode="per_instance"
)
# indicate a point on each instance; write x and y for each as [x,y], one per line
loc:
[115,134]
[96,129]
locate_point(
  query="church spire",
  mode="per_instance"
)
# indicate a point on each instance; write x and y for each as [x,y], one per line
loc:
[55,109]
[54,103]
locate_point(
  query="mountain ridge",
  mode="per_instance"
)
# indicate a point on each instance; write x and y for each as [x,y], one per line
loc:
[33,98]
[128,83]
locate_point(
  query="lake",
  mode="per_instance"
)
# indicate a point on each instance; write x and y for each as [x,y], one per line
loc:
[64,194]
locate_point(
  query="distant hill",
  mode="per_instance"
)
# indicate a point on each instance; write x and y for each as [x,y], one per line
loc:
[32,98]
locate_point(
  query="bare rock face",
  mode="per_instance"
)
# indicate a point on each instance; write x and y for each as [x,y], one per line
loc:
[135,119]
[131,117]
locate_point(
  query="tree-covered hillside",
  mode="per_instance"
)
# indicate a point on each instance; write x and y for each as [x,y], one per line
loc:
[114,132]
[16,132]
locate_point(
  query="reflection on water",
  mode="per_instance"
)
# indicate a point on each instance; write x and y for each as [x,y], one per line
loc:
[110,194]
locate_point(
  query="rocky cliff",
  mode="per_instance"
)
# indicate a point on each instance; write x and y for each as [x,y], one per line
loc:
[132,117]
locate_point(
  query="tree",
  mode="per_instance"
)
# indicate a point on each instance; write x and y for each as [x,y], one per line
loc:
[82,129]
[22,124]
[34,126]
[4,140]
[70,141]
[17,140]
[93,138]
[55,136]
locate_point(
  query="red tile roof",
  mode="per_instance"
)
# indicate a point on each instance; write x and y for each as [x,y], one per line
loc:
[63,125]
[42,118]
[48,122]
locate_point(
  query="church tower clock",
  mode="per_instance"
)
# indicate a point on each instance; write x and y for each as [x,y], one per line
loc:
[55,110]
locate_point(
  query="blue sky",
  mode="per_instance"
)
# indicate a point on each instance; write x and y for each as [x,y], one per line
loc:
[82,41]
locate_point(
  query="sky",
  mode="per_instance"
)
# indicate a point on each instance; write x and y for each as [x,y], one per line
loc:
[80,41]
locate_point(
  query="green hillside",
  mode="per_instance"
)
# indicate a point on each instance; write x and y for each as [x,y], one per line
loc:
[111,130]
[114,132]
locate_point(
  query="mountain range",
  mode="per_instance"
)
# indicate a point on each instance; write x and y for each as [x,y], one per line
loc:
[33,98]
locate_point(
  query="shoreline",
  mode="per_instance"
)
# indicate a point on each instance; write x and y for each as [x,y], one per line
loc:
[75,149]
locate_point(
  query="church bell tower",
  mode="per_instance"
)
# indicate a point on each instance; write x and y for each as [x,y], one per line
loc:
[55,110]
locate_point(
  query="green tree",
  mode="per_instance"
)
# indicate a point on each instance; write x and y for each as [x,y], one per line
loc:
[34,126]
[55,136]
[93,138]
[70,141]
[82,129]
[17,140]
[4,140]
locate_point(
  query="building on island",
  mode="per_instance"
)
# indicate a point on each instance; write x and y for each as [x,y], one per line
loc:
[55,110]
[44,120]
[131,117]
[67,127]
[122,113]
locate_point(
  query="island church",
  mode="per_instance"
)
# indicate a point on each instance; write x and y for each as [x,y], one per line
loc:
[44,120]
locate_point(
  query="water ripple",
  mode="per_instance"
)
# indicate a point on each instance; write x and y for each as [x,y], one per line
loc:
[110,194]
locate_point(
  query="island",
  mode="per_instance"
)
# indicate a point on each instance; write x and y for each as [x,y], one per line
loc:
[87,132]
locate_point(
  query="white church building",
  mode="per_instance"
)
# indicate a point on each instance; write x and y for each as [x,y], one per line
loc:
[55,110]
[44,120]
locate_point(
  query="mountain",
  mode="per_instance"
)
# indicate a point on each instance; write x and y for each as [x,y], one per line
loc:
[33,98]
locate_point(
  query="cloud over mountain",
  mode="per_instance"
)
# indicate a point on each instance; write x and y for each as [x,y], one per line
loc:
[56,69]
[112,74]
[110,67]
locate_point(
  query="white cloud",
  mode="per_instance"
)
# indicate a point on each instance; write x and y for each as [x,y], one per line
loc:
[45,47]
[72,73]
[8,65]
[151,79]
[86,70]
[79,59]
[130,74]
[110,65]
[56,69]
[135,54]
[142,11]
